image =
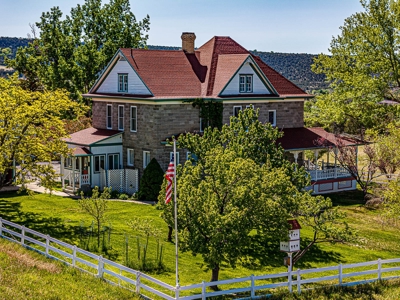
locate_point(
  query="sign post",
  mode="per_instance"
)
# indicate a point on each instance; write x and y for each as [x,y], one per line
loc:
[290,246]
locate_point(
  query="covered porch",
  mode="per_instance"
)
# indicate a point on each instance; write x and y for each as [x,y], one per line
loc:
[75,170]
[304,146]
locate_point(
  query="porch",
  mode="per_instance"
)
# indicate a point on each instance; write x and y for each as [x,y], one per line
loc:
[318,150]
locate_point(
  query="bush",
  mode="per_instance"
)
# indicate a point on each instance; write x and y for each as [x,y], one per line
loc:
[151,181]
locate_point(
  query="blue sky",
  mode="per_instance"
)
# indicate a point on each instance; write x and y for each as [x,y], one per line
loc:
[292,26]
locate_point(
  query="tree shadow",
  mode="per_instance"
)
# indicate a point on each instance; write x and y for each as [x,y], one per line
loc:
[347,198]
[55,227]
[267,253]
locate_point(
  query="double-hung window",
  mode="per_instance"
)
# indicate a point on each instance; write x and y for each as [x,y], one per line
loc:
[131,157]
[99,163]
[272,117]
[123,83]
[120,117]
[146,158]
[109,116]
[236,110]
[133,118]
[113,161]
[246,83]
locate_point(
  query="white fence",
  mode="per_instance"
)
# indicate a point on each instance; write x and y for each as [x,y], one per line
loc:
[252,286]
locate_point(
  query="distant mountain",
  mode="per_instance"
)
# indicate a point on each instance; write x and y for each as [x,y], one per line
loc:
[294,66]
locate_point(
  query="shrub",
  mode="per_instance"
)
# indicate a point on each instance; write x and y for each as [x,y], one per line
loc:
[151,181]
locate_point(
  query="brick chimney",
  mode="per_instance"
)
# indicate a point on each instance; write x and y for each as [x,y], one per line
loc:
[188,41]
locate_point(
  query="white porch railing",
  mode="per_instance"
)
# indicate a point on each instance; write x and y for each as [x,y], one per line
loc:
[329,173]
[254,286]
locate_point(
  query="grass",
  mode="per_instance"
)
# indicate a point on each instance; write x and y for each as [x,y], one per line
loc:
[25,274]
[61,218]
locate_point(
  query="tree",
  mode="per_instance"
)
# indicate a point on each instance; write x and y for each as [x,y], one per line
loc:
[239,188]
[30,132]
[96,206]
[363,69]
[151,181]
[70,52]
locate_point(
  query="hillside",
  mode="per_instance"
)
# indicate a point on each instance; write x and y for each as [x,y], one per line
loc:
[294,66]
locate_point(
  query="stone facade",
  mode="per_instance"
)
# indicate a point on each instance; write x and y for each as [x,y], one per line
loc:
[155,123]
[289,114]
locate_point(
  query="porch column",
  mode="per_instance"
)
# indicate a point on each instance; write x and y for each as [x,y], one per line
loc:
[296,156]
[316,164]
[73,172]
[62,171]
[80,171]
[335,151]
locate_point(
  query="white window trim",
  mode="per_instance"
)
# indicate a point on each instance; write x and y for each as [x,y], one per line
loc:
[233,114]
[94,162]
[248,106]
[177,157]
[246,89]
[274,123]
[121,117]
[119,84]
[109,105]
[188,155]
[130,121]
[128,161]
[108,160]
[144,161]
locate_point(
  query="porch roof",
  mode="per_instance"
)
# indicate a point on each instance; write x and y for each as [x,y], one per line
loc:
[303,138]
[90,136]
[81,151]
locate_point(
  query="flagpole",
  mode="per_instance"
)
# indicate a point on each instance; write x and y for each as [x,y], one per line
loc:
[176,220]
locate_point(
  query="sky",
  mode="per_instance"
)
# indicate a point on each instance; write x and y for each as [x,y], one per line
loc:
[289,26]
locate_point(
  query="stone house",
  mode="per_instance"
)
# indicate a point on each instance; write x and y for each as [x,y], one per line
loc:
[144,96]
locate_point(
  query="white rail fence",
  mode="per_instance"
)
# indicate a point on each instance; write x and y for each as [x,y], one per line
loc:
[247,287]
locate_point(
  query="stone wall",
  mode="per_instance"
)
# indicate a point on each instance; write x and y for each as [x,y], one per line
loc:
[289,114]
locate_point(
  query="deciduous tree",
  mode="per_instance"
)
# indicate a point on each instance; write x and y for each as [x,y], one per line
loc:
[70,52]
[363,69]
[30,132]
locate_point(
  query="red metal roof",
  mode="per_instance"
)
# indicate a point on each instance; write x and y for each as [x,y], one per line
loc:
[308,138]
[90,136]
[174,73]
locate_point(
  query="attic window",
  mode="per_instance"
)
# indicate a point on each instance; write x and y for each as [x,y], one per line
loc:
[246,83]
[122,82]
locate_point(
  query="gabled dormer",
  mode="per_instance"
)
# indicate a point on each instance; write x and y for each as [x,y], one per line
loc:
[244,79]
[121,78]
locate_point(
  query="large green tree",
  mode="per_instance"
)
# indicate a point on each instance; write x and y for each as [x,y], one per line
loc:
[31,129]
[70,52]
[238,193]
[363,69]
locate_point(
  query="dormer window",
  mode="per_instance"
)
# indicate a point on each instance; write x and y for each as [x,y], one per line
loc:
[245,83]
[123,83]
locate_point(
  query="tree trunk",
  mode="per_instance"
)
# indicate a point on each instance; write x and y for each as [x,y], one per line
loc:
[214,277]
[169,233]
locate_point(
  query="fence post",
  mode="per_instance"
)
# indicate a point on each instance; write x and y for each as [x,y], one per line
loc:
[47,244]
[298,281]
[379,269]
[138,283]
[340,274]
[203,291]
[74,256]
[253,293]
[290,280]
[1,227]
[177,292]
[100,267]
[22,235]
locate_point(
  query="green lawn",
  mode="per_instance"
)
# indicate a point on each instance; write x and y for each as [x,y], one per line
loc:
[25,274]
[61,218]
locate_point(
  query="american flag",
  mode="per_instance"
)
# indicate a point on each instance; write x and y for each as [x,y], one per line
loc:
[169,176]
